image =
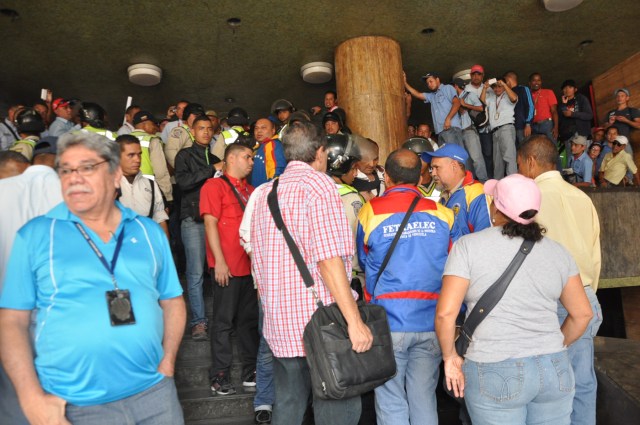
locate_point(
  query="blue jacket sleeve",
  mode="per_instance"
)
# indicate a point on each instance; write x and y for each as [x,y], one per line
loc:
[362,255]
[479,213]
[530,106]
[281,161]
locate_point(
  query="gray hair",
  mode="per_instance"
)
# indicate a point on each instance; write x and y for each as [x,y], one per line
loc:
[105,148]
[301,140]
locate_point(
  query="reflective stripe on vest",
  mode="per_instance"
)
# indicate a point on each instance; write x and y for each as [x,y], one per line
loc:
[345,189]
[146,168]
[29,142]
[101,131]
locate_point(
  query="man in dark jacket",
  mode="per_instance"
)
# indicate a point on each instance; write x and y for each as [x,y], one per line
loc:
[575,116]
[194,165]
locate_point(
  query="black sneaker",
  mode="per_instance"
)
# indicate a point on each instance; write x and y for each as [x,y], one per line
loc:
[220,385]
[263,416]
[249,381]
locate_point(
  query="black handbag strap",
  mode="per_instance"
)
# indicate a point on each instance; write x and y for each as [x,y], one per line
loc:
[235,191]
[153,198]
[492,296]
[274,207]
[387,257]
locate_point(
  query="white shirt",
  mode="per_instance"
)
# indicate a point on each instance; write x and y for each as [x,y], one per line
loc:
[137,196]
[28,195]
[125,129]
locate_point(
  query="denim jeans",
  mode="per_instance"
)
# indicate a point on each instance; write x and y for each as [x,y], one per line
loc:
[581,356]
[472,145]
[157,405]
[194,249]
[504,151]
[265,391]
[410,396]
[544,127]
[293,391]
[529,390]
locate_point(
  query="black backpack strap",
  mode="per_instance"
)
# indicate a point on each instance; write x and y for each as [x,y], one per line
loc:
[235,191]
[387,257]
[492,296]
[153,198]
[11,130]
[274,207]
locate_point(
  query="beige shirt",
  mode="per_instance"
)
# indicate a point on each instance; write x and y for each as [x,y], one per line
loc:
[352,204]
[571,219]
[137,196]
[615,167]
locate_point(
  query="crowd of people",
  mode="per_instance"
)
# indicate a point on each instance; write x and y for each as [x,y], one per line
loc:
[94,214]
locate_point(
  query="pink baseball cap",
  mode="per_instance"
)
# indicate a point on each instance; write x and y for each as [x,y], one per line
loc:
[477,68]
[514,195]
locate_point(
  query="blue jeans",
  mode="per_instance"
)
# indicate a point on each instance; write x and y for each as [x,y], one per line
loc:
[157,405]
[265,391]
[410,396]
[529,390]
[581,356]
[194,249]
[293,390]
[10,409]
[544,127]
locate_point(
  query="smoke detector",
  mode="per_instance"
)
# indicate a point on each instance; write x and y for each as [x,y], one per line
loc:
[144,74]
[317,72]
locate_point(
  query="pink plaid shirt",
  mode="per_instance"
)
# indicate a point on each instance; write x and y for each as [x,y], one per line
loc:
[313,213]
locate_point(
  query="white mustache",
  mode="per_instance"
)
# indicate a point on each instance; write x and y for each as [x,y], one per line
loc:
[77,188]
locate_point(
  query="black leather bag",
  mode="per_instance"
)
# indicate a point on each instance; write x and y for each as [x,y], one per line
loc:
[338,372]
[486,303]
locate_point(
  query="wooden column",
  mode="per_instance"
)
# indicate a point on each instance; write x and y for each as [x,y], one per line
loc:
[370,90]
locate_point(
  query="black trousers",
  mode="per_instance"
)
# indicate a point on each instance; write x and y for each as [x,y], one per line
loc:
[486,144]
[237,302]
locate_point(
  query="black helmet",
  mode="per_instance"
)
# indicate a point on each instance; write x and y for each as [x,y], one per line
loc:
[342,152]
[332,116]
[30,122]
[192,109]
[418,145]
[300,115]
[93,114]
[237,116]
[281,105]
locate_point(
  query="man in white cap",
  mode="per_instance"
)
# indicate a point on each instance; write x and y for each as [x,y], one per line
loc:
[616,164]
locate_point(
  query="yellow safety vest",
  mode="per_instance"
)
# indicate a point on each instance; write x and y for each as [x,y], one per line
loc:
[101,131]
[146,167]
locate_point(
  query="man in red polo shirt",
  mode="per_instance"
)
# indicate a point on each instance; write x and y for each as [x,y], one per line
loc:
[222,202]
[545,116]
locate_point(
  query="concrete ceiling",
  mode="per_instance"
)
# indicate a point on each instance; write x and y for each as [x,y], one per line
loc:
[82,49]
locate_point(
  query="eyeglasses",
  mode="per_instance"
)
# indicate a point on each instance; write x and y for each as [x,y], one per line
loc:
[83,170]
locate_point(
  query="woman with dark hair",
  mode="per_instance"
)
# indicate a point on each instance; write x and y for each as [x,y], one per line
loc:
[516,369]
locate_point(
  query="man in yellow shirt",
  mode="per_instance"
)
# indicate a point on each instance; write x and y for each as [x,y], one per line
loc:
[616,163]
[571,219]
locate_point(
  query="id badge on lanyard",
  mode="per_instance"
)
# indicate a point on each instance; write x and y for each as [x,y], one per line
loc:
[118,300]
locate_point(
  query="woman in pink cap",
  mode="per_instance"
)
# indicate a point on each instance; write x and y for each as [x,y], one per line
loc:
[516,369]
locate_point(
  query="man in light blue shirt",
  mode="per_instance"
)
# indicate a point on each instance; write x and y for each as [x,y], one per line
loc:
[469,133]
[580,161]
[178,111]
[64,117]
[444,108]
[501,103]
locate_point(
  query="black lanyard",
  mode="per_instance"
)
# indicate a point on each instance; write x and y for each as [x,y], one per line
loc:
[110,268]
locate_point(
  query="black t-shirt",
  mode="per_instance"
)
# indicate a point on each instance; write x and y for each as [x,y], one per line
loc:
[630,113]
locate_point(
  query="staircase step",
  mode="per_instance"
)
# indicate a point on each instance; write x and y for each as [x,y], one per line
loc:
[201,350]
[199,404]
[195,374]
[239,420]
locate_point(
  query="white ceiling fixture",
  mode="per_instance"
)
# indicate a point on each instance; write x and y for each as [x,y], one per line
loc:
[560,5]
[144,74]
[316,72]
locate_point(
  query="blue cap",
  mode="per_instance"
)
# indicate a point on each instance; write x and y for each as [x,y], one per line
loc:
[448,150]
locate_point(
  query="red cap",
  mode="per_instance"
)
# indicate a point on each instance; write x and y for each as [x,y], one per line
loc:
[60,102]
[596,129]
[477,68]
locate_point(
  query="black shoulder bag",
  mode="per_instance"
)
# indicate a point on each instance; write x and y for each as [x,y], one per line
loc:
[487,302]
[338,372]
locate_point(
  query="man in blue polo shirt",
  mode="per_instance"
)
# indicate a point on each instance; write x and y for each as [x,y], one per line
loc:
[444,108]
[109,309]
[580,162]
[458,190]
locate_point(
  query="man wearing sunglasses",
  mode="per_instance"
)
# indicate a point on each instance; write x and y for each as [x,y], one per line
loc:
[616,164]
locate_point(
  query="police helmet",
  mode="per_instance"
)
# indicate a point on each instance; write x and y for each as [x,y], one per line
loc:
[342,152]
[300,115]
[93,114]
[29,121]
[418,145]
[237,116]
[281,105]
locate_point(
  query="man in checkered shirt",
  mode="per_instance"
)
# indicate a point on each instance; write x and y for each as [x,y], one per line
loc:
[313,213]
